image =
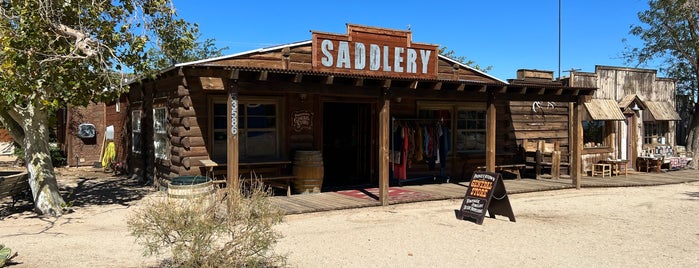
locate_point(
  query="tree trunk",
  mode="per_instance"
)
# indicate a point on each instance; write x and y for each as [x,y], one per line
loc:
[693,137]
[42,178]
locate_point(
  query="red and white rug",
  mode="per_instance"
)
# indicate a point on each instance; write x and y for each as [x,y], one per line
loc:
[394,194]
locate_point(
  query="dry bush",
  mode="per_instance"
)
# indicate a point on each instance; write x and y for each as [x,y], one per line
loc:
[229,229]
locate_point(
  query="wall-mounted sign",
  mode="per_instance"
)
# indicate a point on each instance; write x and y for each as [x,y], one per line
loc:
[486,192]
[374,51]
[301,120]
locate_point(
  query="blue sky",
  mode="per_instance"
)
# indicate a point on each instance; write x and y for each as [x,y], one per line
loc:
[507,35]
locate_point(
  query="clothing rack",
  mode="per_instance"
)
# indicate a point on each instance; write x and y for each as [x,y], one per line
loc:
[442,160]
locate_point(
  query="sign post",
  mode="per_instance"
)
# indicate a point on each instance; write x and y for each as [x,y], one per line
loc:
[486,192]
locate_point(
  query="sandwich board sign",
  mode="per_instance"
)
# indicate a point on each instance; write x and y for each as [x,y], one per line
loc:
[486,192]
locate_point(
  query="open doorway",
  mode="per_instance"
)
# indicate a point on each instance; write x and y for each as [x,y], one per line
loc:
[347,134]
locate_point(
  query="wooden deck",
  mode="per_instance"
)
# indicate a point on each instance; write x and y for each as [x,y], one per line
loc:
[326,201]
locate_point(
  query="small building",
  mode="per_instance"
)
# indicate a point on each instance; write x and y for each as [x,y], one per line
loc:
[374,104]
[632,114]
[82,132]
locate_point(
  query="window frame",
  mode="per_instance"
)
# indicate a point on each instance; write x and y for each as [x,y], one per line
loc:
[136,131]
[454,109]
[160,152]
[243,129]
[602,142]
[655,127]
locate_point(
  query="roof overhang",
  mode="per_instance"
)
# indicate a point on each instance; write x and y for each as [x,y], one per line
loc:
[660,111]
[397,85]
[604,110]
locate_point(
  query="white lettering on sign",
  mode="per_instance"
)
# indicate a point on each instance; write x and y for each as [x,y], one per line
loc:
[405,60]
[360,60]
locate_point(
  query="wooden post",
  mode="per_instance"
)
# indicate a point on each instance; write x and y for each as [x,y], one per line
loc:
[384,117]
[490,133]
[232,131]
[556,164]
[576,151]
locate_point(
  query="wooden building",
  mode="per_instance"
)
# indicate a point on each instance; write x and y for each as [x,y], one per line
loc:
[82,131]
[632,114]
[376,105]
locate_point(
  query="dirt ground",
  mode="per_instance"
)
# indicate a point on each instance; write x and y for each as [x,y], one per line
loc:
[612,227]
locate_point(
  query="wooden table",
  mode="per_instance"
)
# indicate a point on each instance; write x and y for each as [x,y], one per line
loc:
[618,165]
[649,163]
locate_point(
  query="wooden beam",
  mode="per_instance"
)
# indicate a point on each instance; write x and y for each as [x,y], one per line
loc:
[503,89]
[523,91]
[437,86]
[384,123]
[358,82]
[262,76]
[576,148]
[490,133]
[541,91]
[483,89]
[386,83]
[232,136]
[329,79]
[413,84]
[234,75]
[298,78]
[461,87]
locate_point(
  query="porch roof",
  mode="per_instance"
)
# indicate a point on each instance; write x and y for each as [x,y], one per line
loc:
[604,110]
[661,111]
[398,85]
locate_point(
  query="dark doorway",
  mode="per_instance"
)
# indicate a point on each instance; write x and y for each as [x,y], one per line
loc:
[346,144]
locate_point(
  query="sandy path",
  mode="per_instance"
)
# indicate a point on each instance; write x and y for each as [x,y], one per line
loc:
[611,227]
[614,227]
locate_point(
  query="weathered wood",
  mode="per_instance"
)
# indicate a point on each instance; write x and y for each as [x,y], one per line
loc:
[184,101]
[182,91]
[191,152]
[384,124]
[556,164]
[188,142]
[490,136]
[183,112]
[186,122]
[184,132]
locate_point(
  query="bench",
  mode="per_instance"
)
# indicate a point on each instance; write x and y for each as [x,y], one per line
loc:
[276,174]
[511,168]
[13,184]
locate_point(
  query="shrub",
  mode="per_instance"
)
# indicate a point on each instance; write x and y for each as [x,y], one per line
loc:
[58,158]
[6,255]
[230,229]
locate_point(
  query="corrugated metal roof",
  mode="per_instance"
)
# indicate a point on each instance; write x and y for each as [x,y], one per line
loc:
[604,109]
[662,110]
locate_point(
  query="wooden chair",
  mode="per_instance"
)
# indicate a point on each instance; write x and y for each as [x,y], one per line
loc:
[602,169]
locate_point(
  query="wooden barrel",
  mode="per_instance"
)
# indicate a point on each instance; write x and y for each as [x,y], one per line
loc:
[191,189]
[308,170]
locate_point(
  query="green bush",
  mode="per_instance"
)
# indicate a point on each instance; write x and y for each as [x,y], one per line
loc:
[58,157]
[6,255]
[229,229]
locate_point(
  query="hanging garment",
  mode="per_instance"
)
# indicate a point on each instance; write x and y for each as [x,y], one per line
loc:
[109,155]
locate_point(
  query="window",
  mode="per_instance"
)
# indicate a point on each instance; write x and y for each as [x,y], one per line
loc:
[258,130]
[136,131]
[655,132]
[593,133]
[470,130]
[469,126]
[160,142]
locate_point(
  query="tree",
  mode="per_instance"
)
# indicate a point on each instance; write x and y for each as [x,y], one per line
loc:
[462,59]
[671,35]
[71,52]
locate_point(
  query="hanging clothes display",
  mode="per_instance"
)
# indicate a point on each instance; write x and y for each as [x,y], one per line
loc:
[418,141]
